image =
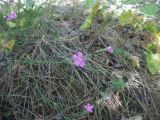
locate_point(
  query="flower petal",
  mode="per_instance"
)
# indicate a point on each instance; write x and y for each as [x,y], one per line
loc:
[11,16]
[86,107]
[76,62]
[78,59]
[74,57]
[89,107]
[89,110]
[110,49]
[82,64]
[80,54]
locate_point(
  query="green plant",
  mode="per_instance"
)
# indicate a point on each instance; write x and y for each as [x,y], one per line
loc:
[131,1]
[150,27]
[117,84]
[92,13]
[6,45]
[89,3]
[126,18]
[29,3]
[42,78]
[150,9]
[153,59]
[132,19]
[96,9]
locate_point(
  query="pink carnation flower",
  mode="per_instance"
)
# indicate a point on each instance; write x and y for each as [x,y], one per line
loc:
[89,107]
[110,49]
[78,59]
[11,16]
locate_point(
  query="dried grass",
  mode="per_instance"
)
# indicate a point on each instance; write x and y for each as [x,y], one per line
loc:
[40,81]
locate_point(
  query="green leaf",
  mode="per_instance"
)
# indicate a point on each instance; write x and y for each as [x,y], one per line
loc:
[9,45]
[153,63]
[29,3]
[135,61]
[87,23]
[153,60]
[95,8]
[1,42]
[150,47]
[22,22]
[150,9]
[131,1]
[89,3]
[117,84]
[126,18]
[150,26]
[88,20]
[157,41]
[11,24]
[102,13]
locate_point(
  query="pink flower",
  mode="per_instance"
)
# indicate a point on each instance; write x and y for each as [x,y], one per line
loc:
[78,59]
[110,49]
[11,16]
[89,107]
